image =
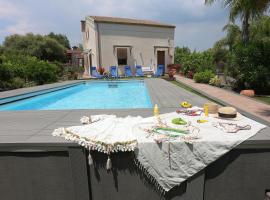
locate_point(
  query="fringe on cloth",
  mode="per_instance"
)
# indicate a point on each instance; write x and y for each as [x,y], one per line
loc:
[91,144]
[90,159]
[149,177]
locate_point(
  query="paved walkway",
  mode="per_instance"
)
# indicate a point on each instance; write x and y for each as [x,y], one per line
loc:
[243,103]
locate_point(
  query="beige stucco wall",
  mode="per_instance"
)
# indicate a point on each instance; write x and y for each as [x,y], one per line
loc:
[143,40]
[90,44]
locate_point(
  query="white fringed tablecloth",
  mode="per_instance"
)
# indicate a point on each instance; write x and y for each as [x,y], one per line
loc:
[166,163]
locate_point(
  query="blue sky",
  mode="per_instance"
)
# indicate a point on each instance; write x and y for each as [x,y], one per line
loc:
[198,26]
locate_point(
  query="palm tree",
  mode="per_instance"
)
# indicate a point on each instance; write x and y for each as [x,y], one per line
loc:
[245,9]
[233,34]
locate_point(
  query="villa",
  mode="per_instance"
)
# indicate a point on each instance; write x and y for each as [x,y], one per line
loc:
[115,41]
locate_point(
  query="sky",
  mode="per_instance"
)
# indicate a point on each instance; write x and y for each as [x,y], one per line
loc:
[197,26]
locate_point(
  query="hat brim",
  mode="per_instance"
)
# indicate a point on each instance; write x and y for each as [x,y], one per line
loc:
[238,117]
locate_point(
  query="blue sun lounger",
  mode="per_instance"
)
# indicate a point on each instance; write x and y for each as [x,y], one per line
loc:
[95,73]
[159,71]
[128,72]
[139,71]
[114,71]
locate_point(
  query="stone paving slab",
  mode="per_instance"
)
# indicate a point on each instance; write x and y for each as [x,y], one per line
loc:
[34,128]
[245,104]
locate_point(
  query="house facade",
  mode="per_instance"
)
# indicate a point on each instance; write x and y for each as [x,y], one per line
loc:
[109,41]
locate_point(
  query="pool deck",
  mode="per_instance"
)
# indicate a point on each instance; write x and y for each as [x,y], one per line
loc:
[34,128]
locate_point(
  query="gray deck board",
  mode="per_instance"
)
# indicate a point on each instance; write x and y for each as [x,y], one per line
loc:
[35,127]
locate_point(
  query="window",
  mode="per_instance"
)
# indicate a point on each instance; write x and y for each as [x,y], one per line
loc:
[122,56]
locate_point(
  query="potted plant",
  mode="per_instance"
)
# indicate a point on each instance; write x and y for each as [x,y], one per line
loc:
[101,70]
[172,70]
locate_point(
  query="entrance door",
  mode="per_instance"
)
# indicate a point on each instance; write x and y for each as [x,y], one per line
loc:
[122,59]
[122,56]
[161,59]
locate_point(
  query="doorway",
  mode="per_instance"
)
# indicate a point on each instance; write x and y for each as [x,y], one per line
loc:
[161,59]
[122,56]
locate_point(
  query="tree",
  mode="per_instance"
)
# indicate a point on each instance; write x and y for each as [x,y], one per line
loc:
[62,39]
[42,47]
[233,35]
[245,9]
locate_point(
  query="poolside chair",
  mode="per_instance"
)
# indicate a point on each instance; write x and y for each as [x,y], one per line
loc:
[139,71]
[128,72]
[114,71]
[160,70]
[95,73]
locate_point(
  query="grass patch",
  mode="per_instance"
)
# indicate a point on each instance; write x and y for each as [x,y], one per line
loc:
[264,99]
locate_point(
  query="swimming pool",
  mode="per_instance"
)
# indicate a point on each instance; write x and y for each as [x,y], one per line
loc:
[89,95]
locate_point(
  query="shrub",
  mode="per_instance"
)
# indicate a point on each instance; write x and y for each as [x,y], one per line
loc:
[6,72]
[16,83]
[203,77]
[252,63]
[43,72]
[215,81]
[27,68]
[194,61]
[174,66]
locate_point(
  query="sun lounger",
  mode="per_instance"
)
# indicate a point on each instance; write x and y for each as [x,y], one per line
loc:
[128,72]
[95,73]
[114,71]
[139,71]
[160,70]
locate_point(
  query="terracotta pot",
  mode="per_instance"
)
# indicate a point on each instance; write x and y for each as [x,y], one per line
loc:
[248,93]
[171,73]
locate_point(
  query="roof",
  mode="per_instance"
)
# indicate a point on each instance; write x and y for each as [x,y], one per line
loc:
[118,20]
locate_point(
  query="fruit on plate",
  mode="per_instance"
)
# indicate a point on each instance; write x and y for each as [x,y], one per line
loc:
[179,121]
[186,104]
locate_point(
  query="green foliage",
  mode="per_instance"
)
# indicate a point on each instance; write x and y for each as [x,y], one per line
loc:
[193,61]
[43,72]
[16,70]
[42,47]
[246,10]
[15,83]
[253,66]
[62,39]
[215,81]
[204,76]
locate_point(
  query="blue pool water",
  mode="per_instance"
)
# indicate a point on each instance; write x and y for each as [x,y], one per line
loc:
[89,95]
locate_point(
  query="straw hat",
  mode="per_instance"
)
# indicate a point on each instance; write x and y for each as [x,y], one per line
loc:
[212,107]
[227,112]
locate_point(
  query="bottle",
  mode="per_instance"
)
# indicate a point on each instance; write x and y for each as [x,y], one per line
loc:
[206,111]
[156,111]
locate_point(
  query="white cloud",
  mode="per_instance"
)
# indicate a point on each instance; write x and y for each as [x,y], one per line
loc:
[19,22]
[192,17]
